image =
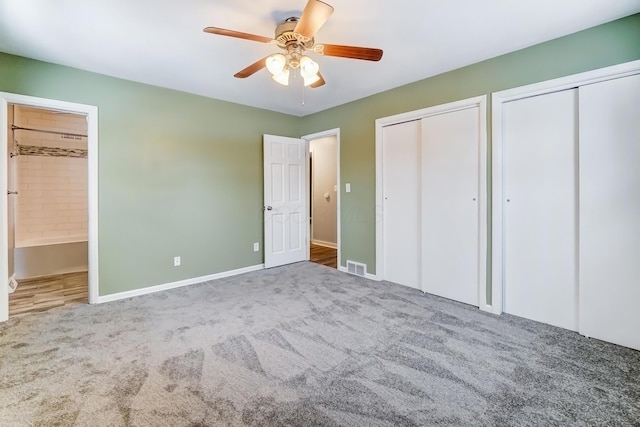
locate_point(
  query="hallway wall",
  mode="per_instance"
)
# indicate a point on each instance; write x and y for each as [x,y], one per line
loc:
[325,209]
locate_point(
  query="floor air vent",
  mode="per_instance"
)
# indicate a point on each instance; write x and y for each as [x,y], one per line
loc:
[356,268]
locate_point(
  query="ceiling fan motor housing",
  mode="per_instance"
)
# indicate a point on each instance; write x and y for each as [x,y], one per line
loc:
[285,36]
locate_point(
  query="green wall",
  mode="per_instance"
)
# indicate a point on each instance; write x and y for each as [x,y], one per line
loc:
[179,174]
[608,44]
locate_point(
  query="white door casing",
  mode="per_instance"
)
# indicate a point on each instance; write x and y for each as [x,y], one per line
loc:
[323,134]
[92,142]
[4,250]
[610,211]
[401,191]
[450,207]
[540,208]
[12,187]
[285,200]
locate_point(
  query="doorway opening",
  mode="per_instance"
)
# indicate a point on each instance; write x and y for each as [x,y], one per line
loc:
[324,198]
[47,209]
[49,257]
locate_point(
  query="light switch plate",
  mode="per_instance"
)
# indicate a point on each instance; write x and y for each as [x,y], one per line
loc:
[347,187]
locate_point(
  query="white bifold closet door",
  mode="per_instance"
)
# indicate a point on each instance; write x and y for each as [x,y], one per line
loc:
[450,212]
[401,198]
[540,208]
[610,211]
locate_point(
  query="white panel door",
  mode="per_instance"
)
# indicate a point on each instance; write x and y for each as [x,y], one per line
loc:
[540,208]
[450,213]
[401,198]
[285,212]
[610,211]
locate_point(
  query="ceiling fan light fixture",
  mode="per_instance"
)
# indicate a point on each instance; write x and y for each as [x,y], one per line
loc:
[308,67]
[282,77]
[311,80]
[276,64]
[295,36]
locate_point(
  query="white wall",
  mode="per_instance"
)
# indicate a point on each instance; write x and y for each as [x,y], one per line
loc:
[324,181]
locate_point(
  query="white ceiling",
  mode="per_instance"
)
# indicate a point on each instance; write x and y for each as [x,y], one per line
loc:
[161,42]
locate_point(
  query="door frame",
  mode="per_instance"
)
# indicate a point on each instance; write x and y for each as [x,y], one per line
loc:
[481,103]
[91,113]
[498,99]
[308,138]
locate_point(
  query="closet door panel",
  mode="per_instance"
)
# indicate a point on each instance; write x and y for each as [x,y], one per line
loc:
[610,211]
[401,197]
[540,208]
[450,213]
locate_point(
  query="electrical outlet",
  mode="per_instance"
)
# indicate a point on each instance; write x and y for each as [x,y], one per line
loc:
[256,247]
[176,261]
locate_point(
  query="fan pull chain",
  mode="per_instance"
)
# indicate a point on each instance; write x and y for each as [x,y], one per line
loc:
[303,94]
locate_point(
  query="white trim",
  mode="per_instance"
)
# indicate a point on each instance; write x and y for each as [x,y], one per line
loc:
[429,111]
[4,229]
[178,284]
[309,184]
[483,198]
[497,100]
[91,113]
[366,275]
[568,82]
[325,244]
[481,103]
[331,132]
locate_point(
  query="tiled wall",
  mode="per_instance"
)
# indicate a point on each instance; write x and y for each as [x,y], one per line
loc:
[52,203]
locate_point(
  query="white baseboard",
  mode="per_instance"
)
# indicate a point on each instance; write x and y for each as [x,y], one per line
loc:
[325,244]
[366,275]
[178,284]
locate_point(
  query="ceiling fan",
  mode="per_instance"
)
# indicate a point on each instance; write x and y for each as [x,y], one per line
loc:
[295,36]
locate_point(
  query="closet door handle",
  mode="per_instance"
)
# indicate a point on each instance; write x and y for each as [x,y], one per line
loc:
[11,193]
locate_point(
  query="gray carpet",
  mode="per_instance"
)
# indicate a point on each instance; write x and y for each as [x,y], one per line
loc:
[305,345]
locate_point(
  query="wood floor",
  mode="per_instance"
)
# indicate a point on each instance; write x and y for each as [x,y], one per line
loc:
[323,255]
[44,293]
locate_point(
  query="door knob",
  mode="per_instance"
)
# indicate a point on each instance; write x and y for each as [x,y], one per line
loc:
[268,208]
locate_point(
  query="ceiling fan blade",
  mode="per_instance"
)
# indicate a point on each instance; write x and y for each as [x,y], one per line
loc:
[314,15]
[251,69]
[237,34]
[353,52]
[319,83]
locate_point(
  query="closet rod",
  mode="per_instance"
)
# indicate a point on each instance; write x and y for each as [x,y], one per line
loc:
[55,132]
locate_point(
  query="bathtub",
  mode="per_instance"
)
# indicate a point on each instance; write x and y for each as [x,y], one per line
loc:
[48,259]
